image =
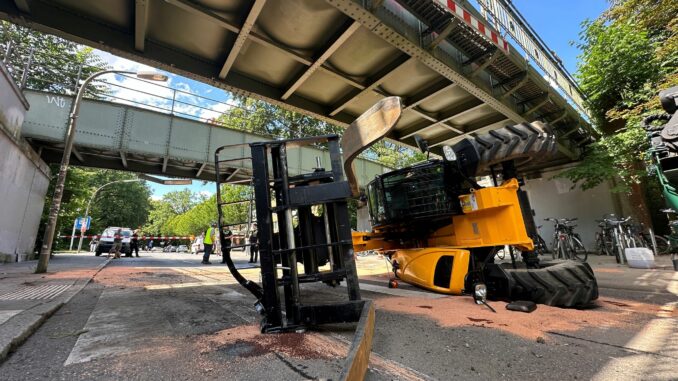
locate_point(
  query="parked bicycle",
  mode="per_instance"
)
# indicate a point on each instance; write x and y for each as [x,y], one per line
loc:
[540,244]
[567,244]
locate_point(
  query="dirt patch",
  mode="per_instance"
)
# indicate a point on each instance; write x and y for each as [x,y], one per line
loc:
[138,277]
[462,311]
[247,341]
[604,270]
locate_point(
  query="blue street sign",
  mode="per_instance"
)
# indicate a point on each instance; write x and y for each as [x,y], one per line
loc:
[82,220]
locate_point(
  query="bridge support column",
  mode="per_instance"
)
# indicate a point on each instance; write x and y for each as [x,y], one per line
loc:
[25,178]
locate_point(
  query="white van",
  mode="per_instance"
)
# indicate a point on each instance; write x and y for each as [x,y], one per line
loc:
[106,241]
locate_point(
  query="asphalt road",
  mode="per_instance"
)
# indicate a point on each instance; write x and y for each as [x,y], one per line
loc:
[166,317]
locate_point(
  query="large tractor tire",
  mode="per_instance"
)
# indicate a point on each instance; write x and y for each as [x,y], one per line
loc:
[557,283]
[524,143]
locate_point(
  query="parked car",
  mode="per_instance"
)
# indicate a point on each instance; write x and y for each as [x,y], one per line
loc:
[198,246]
[182,249]
[106,241]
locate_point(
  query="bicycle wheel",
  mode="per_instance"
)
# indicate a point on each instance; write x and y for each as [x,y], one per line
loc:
[601,246]
[555,252]
[579,251]
[543,249]
[663,245]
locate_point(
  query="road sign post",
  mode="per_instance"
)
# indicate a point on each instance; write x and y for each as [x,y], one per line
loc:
[75,224]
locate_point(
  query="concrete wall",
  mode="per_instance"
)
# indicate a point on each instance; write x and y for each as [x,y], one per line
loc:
[555,198]
[24,178]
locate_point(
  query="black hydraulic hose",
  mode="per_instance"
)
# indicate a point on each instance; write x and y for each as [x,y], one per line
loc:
[252,287]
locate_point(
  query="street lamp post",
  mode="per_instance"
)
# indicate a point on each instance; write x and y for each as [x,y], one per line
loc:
[92,199]
[46,248]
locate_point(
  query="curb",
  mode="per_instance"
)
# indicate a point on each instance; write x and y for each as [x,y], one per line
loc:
[21,326]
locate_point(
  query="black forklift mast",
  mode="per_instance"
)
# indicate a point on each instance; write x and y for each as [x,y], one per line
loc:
[314,240]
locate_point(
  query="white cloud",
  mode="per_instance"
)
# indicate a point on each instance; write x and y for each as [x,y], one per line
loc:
[159,96]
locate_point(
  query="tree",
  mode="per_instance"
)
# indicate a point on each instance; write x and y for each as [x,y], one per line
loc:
[56,64]
[180,201]
[628,55]
[123,204]
[197,219]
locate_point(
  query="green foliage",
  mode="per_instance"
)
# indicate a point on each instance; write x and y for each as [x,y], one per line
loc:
[612,157]
[624,64]
[166,219]
[56,64]
[180,201]
[617,67]
[158,218]
[121,204]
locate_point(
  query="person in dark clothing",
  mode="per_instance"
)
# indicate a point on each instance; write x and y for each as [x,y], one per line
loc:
[226,248]
[208,243]
[134,244]
[254,245]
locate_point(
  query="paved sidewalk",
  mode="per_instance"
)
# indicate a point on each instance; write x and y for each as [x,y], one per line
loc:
[27,299]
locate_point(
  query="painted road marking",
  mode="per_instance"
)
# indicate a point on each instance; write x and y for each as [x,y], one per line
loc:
[48,291]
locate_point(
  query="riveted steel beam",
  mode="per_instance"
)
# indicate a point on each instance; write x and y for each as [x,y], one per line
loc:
[540,100]
[440,37]
[242,37]
[488,60]
[428,93]
[515,87]
[559,118]
[480,126]
[327,52]
[140,24]
[374,82]
[424,114]
[443,117]
[258,38]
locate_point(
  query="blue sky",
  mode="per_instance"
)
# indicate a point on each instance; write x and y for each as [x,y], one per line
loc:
[556,21]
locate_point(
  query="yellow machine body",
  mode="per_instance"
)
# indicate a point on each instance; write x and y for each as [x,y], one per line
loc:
[492,217]
[438,269]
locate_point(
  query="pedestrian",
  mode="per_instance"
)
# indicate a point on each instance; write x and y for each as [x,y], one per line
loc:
[254,244]
[93,245]
[149,246]
[209,243]
[226,249]
[134,244]
[117,244]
